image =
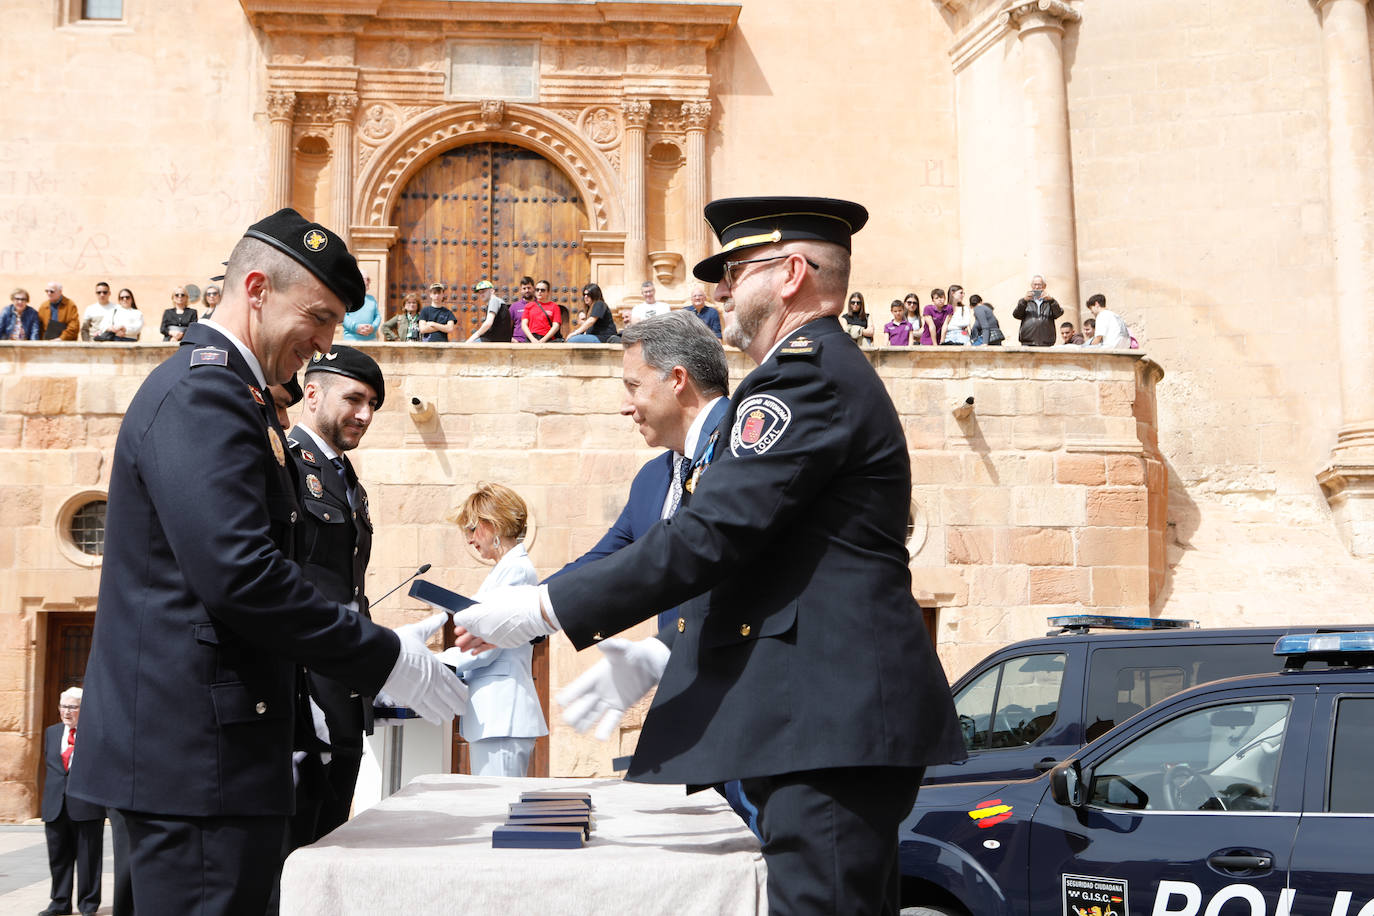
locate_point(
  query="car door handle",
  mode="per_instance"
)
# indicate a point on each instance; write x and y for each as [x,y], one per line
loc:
[1240,862]
[1048,763]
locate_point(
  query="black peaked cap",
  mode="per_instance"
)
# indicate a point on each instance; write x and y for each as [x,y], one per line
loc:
[746,222]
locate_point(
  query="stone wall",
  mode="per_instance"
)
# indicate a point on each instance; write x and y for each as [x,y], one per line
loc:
[1047,498]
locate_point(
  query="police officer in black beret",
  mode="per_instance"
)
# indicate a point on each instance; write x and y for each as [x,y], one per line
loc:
[202,618]
[333,544]
[799,662]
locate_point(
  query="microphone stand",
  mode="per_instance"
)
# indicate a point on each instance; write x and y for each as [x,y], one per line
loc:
[419,572]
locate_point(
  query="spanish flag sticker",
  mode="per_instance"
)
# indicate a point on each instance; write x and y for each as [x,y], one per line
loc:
[990,813]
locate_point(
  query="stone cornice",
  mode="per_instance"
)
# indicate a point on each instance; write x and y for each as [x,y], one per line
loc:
[970,44]
[1318,4]
[708,22]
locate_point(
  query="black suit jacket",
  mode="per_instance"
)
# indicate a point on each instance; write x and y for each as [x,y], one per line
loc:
[55,780]
[800,646]
[333,546]
[202,617]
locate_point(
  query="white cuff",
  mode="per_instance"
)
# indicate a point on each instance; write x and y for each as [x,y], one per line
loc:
[546,605]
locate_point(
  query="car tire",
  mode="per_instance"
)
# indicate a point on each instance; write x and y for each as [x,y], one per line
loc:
[929,911]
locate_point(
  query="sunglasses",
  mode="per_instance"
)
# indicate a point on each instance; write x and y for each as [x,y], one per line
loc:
[123,298]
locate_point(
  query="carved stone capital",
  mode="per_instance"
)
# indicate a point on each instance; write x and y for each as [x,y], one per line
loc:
[696,115]
[636,112]
[1039,14]
[342,105]
[493,113]
[281,104]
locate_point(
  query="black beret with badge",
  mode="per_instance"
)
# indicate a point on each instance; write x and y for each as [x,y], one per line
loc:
[747,222]
[352,363]
[317,249]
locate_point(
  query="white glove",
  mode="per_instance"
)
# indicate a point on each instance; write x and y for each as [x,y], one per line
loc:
[506,617]
[424,629]
[419,680]
[626,672]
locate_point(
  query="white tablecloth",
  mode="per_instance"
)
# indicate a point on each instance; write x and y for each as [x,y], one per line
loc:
[427,849]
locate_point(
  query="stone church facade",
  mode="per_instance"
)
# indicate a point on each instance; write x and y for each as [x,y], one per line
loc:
[1207,166]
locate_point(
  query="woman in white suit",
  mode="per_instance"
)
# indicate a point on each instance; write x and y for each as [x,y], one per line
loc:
[503,717]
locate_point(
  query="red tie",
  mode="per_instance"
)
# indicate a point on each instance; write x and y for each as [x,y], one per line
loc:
[67,754]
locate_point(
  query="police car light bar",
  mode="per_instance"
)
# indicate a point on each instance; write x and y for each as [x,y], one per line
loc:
[1329,646]
[1079,622]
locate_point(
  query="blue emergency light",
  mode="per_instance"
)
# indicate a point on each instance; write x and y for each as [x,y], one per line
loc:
[1325,645]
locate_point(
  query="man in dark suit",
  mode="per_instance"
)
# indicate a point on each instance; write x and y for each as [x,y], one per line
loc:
[676,391]
[333,544]
[800,664]
[74,828]
[202,617]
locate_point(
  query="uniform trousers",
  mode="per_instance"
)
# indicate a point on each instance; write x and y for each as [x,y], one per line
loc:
[500,756]
[204,866]
[74,850]
[830,837]
[123,903]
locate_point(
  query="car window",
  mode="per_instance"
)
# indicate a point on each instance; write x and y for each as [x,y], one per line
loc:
[1351,789]
[1012,704]
[1222,758]
[1122,682]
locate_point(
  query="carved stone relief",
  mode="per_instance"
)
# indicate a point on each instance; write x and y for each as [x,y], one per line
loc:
[602,127]
[378,123]
[281,104]
[493,113]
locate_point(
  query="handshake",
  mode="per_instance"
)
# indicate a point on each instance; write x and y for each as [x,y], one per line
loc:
[509,617]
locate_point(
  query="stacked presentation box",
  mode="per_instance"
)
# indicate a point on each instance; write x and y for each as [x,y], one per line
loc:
[546,819]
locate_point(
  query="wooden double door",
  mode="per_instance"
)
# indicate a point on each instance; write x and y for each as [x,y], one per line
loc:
[488,211]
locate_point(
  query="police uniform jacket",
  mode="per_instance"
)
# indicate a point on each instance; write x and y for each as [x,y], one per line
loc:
[55,781]
[799,644]
[202,617]
[333,545]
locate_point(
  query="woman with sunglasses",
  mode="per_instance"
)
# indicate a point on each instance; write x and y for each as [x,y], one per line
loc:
[126,321]
[176,319]
[856,319]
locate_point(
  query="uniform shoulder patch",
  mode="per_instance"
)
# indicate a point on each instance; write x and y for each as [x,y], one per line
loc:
[760,422]
[801,345]
[209,356]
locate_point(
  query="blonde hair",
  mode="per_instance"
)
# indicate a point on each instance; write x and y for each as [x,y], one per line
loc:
[498,506]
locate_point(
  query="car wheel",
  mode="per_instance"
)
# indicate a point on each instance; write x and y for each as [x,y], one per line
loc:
[929,911]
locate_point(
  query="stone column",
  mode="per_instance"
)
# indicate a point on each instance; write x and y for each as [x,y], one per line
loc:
[1052,240]
[1349,480]
[341,108]
[281,106]
[696,115]
[636,112]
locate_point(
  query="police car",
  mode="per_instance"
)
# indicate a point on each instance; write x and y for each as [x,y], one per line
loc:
[1250,796]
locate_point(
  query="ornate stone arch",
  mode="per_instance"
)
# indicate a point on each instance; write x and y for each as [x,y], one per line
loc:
[440,129]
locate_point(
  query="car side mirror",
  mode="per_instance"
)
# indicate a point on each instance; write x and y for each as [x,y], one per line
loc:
[1067,786]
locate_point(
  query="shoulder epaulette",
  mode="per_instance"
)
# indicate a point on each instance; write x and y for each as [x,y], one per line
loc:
[801,345]
[209,356]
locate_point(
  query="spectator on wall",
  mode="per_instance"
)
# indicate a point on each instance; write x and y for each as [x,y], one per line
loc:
[95,318]
[1037,313]
[912,305]
[898,330]
[127,321]
[856,320]
[543,317]
[496,326]
[650,306]
[362,324]
[598,326]
[708,315]
[18,321]
[1068,337]
[987,331]
[210,298]
[58,316]
[1111,331]
[437,321]
[176,319]
[405,324]
[517,310]
[936,314]
[960,320]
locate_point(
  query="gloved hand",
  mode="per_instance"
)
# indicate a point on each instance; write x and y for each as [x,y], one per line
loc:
[600,696]
[506,617]
[419,680]
[424,629]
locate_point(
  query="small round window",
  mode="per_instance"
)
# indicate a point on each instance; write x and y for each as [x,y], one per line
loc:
[87,528]
[80,528]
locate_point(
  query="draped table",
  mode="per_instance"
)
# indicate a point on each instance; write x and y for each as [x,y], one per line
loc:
[427,849]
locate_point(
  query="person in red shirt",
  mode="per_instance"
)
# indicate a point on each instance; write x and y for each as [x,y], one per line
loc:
[543,317]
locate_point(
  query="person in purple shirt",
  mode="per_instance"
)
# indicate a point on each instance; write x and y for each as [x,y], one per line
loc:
[936,314]
[517,310]
[898,330]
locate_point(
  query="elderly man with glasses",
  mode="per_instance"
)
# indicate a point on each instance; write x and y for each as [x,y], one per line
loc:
[74,828]
[798,662]
[59,315]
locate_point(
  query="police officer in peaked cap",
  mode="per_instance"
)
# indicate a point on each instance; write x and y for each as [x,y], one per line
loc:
[799,663]
[202,617]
